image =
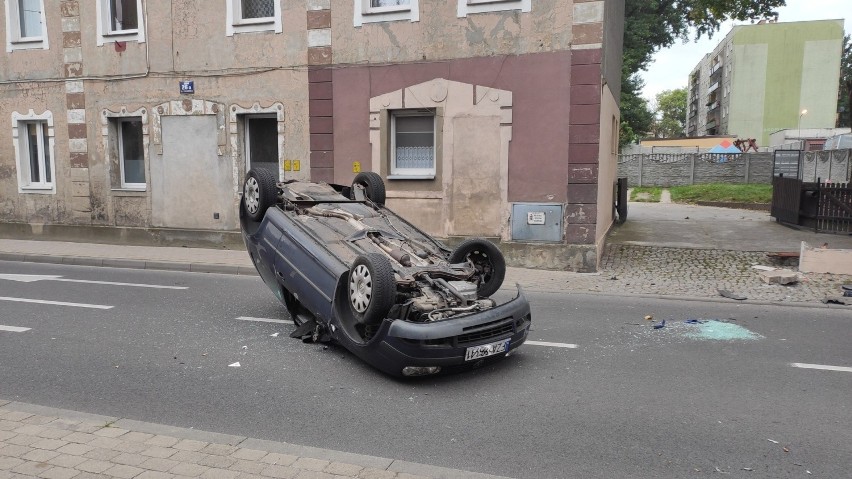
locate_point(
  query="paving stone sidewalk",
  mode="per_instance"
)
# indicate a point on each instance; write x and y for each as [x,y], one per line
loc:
[49,443]
[625,269]
[683,273]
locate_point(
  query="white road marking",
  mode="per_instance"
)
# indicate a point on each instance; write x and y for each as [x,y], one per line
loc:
[13,329]
[822,366]
[265,320]
[29,278]
[55,303]
[552,345]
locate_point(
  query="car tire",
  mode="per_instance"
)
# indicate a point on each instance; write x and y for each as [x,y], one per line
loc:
[488,261]
[371,288]
[374,186]
[259,192]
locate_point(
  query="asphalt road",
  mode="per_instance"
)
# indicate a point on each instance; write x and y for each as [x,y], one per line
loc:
[628,401]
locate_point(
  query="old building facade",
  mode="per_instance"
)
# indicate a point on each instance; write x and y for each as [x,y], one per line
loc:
[139,118]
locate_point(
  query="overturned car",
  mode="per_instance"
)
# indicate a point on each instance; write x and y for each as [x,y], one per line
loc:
[350,270]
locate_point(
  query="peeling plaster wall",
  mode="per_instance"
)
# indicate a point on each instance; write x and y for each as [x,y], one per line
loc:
[607,166]
[440,34]
[186,36]
[33,207]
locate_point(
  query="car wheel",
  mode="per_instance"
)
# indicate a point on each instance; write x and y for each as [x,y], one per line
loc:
[374,186]
[488,261]
[372,288]
[259,192]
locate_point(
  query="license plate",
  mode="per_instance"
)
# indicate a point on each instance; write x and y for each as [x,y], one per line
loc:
[485,350]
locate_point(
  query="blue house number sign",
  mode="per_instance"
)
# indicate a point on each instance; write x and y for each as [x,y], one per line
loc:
[187,86]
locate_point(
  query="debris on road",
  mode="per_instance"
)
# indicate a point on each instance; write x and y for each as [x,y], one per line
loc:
[840,301]
[234,365]
[727,294]
[780,276]
[763,268]
[721,331]
[660,325]
[695,321]
[274,335]
[649,318]
[773,441]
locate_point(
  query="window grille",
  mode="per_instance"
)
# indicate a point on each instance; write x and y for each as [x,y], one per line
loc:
[258,8]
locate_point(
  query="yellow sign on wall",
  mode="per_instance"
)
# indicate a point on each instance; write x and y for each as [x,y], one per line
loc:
[356,167]
[297,165]
[287,166]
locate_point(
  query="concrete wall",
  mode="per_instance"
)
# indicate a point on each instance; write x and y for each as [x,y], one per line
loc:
[688,169]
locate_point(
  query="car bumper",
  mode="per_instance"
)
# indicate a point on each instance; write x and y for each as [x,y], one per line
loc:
[443,344]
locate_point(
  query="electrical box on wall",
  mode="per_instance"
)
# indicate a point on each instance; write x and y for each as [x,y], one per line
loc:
[537,222]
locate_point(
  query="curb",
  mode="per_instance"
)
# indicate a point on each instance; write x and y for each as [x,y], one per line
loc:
[362,460]
[131,264]
[692,299]
[250,271]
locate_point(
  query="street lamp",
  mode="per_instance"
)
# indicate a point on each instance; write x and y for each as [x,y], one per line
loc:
[804,112]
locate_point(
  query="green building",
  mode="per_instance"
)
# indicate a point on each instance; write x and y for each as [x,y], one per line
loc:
[767,77]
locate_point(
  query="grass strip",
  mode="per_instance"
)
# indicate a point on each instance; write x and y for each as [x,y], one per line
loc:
[721,192]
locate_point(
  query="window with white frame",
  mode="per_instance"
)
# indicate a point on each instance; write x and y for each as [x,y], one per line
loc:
[131,153]
[25,25]
[246,16]
[412,139]
[369,11]
[120,21]
[466,7]
[33,142]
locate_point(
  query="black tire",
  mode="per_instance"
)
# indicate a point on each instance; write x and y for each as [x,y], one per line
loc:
[374,186]
[371,288]
[260,191]
[488,261]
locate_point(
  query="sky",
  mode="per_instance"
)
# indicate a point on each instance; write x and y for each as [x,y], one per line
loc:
[671,67]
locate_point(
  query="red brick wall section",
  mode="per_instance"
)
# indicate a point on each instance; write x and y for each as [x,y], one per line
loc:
[320,100]
[584,141]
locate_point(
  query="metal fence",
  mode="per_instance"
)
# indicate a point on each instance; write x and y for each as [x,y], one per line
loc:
[695,168]
[827,208]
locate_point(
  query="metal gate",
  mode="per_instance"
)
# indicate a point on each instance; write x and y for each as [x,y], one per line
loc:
[827,208]
[834,214]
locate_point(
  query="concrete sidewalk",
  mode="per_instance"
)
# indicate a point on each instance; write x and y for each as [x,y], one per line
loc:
[48,443]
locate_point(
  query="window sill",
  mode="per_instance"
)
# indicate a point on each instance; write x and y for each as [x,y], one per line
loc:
[386,10]
[411,177]
[120,33]
[39,190]
[129,191]
[27,44]
[245,22]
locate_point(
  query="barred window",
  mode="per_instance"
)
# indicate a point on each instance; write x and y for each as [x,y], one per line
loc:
[257,8]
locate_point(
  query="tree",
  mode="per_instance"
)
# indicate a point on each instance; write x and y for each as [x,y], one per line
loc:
[651,25]
[671,113]
[844,105]
[636,118]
